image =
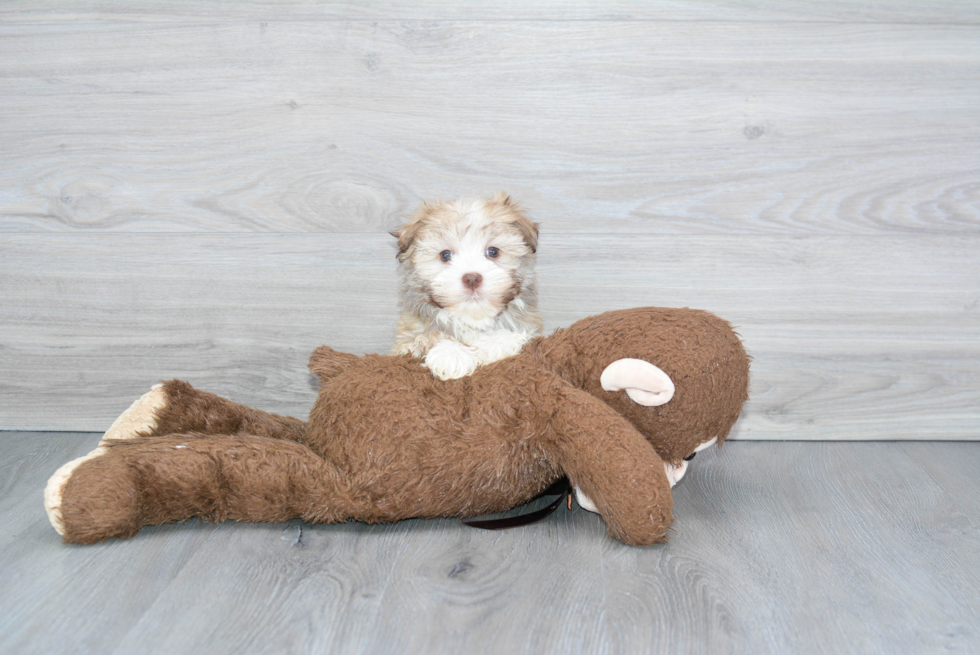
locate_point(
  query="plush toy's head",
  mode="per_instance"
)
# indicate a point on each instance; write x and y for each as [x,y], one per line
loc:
[700,352]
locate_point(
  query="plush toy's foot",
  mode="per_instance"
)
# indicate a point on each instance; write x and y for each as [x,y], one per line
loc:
[93,498]
[140,420]
[55,489]
[142,417]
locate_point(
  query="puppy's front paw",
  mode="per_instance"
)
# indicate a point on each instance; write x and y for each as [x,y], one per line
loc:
[500,345]
[450,359]
[417,346]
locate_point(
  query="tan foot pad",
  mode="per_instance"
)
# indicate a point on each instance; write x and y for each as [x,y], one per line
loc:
[56,486]
[140,418]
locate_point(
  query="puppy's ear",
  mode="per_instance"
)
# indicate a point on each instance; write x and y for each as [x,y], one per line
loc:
[406,236]
[501,198]
[406,233]
[527,228]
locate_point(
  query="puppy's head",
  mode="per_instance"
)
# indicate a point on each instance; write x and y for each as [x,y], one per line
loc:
[468,257]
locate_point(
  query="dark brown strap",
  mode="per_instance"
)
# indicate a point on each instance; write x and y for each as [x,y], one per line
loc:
[561,487]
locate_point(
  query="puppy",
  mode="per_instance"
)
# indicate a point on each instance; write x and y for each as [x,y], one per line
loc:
[468,291]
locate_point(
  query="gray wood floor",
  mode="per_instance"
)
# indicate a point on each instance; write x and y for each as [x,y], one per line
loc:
[779,547]
[203,189]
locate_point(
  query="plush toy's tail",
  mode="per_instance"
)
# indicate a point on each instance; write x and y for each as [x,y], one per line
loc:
[120,487]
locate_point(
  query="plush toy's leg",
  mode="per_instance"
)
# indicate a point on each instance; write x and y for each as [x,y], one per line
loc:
[118,488]
[616,469]
[176,407]
[140,419]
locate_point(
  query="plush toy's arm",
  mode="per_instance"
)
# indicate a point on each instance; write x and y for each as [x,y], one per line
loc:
[118,488]
[612,464]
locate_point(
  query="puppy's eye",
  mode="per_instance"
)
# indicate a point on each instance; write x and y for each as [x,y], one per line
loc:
[446,255]
[492,252]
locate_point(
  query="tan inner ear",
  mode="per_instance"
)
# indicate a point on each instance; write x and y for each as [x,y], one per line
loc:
[643,382]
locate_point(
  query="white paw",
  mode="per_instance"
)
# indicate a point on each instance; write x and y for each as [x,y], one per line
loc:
[584,501]
[56,486]
[645,383]
[495,346]
[450,359]
[141,417]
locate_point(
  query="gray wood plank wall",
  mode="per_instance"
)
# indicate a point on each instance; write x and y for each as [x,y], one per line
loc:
[203,190]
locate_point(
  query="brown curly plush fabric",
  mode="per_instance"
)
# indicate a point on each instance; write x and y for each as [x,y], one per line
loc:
[387,441]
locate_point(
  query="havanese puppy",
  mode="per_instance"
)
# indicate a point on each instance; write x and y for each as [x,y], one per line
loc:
[468,291]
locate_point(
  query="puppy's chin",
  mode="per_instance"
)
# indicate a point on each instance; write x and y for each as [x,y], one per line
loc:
[470,309]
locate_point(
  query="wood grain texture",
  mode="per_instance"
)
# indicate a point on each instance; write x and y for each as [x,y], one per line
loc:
[778,548]
[852,338]
[632,126]
[896,11]
[203,190]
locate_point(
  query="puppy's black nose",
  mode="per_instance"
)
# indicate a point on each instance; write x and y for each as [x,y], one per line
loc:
[472,280]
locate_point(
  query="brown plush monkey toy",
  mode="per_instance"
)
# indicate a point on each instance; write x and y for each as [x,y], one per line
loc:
[615,402]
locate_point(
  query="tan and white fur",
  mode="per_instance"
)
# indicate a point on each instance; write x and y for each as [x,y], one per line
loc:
[468,290]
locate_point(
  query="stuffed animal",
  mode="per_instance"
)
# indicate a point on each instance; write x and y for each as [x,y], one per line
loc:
[616,402]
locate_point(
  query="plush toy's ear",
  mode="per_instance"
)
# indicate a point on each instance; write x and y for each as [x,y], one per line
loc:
[327,363]
[644,383]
